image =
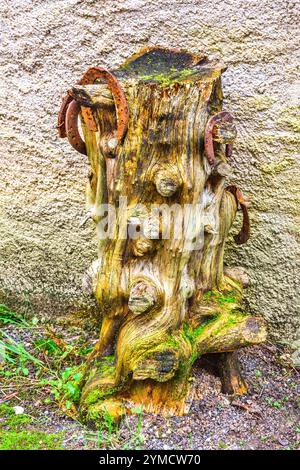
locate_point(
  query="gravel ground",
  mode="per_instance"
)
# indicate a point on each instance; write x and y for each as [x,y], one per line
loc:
[266,418]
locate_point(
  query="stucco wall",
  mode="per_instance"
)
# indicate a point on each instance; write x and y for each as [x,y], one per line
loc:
[47,45]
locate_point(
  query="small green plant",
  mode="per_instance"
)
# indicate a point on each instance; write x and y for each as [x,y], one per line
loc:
[11,351]
[14,352]
[222,445]
[274,403]
[48,345]
[108,422]
[8,317]
[107,434]
[139,413]
[65,388]
[258,373]
[137,438]
[17,361]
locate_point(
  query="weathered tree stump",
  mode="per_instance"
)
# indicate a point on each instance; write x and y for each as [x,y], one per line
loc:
[164,298]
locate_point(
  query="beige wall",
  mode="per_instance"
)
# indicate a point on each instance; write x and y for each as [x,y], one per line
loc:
[47,45]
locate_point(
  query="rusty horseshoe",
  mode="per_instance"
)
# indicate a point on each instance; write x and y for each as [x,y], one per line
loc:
[222,118]
[67,125]
[244,233]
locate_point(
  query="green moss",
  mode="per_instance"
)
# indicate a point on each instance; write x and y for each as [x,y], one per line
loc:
[97,395]
[13,436]
[193,357]
[17,421]
[198,331]
[227,300]
[100,383]
[110,358]
[166,67]
[9,419]
[192,334]
[231,320]
[170,77]
[225,303]
[188,332]
[105,415]
[6,410]
[221,298]
[208,295]
[158,61]
[106,367]
[227,314]
[94,413]
[29,440]
[171,341]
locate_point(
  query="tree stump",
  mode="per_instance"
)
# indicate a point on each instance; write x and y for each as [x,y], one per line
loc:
[158,196]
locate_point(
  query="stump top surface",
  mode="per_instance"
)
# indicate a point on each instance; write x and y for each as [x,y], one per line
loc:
[167,66]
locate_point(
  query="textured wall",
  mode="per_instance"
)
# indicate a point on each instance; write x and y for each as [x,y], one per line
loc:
[47,45]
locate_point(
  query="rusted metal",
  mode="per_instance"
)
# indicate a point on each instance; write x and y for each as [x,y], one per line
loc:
[95,73]
[244,233]
[219,119]
[228,150]
[61,121]
[71,129]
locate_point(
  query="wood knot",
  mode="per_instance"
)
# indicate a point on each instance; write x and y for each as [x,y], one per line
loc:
[142,246]
[108,144]
[167,181]
[221,169]
[144,296]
